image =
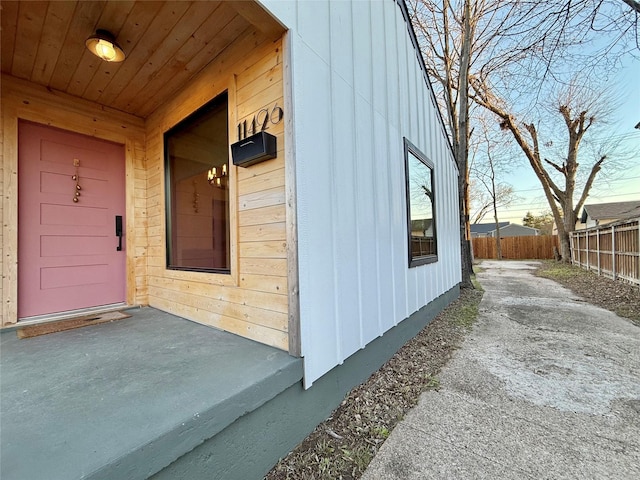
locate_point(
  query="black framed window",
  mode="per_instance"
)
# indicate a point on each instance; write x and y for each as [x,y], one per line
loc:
[197,190]
[421,206]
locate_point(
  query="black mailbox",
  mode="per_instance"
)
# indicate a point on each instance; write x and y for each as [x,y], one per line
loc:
[254,149]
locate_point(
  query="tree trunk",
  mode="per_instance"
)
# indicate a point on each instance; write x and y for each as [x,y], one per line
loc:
[465,245]
[498,241]
[569,223]
[462,150]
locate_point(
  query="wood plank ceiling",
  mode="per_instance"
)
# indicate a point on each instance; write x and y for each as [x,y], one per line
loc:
[166,43]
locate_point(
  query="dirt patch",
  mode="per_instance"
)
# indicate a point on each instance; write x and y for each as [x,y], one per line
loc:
[614,295]
[342,446]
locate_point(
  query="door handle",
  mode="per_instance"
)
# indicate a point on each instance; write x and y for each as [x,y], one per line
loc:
[119,232]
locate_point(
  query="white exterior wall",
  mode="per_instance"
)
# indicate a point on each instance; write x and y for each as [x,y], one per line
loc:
[357,90]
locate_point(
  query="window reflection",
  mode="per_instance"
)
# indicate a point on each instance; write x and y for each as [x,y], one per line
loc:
[421,202]
[198,234]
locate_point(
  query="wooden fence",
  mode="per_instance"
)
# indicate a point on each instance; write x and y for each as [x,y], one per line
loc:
[516,248]
[610,250]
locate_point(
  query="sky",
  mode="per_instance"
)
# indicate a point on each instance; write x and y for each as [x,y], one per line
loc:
[624,186]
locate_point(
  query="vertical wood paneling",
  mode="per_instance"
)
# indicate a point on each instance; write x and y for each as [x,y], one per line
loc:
[400,252]
[378,40]
[389,100]
[9,214]
[2,222]
[342,40]
[392,71]
[385,168]
[362,55]
[426,276]
[313,20]
[345,219]
[365,212]
[290,209]
[315,187]
[348,239]
[412,113]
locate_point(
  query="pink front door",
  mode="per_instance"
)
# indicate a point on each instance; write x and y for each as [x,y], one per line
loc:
[68,256]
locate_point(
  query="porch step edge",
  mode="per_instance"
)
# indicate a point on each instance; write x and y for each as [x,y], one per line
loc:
[155,455]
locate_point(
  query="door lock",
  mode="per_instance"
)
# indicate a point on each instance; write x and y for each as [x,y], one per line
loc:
[119,232]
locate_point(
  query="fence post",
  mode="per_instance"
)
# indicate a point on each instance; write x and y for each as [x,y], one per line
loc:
[613,251]
[598,248]
[588,250]
[571,244]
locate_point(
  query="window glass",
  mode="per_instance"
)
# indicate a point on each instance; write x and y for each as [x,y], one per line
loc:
[420,207]
[197,183]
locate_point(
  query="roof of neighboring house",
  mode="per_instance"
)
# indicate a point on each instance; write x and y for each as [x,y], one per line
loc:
[486,227]
[421,224]
[518,226]
[615,210]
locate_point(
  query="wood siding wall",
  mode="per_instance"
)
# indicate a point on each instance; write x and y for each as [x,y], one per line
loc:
[252,301]
[358,89]
[516,248]
[23,100]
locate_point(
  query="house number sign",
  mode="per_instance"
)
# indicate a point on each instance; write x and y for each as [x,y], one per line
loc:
[260,121]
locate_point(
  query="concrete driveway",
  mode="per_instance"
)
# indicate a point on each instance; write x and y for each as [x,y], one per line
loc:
[546,386]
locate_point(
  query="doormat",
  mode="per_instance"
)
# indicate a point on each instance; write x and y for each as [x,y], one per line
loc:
[77,322]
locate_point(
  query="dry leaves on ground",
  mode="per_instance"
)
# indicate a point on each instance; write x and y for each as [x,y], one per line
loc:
[614,295]
[343,445]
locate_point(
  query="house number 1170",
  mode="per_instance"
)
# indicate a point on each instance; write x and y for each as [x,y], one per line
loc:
[260,122]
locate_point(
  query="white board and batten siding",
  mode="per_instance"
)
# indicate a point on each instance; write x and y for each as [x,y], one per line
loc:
[357,89]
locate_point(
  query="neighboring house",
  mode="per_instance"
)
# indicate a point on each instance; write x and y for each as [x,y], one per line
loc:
[121,187]
[507,229]
[603,213]
[485,229]
[422,227]
[515,230]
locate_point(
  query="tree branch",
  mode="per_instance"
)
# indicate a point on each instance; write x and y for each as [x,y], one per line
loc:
[633,4]
[587,186]
[562,169]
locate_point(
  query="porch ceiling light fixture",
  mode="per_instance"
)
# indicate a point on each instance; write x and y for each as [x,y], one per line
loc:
[103,44]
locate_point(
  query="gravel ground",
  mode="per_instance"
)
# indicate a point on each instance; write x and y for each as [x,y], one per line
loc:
[342,446]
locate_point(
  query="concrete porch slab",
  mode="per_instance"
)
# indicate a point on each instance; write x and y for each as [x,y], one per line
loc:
[126,399]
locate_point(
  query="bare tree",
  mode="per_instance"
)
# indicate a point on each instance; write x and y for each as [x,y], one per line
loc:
[484,200]
[494,193]
[453,54]
[635,6]
[454,36]
[578,116]
[517,45]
